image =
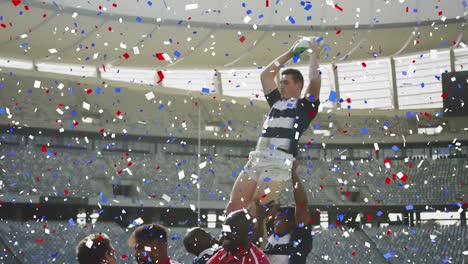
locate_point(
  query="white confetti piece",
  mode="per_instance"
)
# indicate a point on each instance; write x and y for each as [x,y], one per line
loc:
[37,84]
[139,221]
[59,111]
[267,190]
[148,249]
[123,46]
[136,50]
[60,86]
[149,96]
[89,243]
[86,106]
[247,19]
[24,36]
[192,207]
[226,228]
[181,175]
[202,165]
[52,51]
[75,15]
[191,7]
[166,197]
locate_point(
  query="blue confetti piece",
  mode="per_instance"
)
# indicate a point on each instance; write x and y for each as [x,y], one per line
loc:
[317,126]
[71,222]
[308,7]
[104,200]
[422,85]
[267,179]
[379,213]
[1,18]
[364,131]
[444,43]
[260,16]
[464,3]
[2,110]
[249,12]
[177,53]
[243,4]
[296,59]
[415,10]
[389,255]
[291,19]
[332,96]
[309,18]
[272,147]
[149,3]
[409,207]
[327,47]
[98,90]
[409,115]
[395,148]
[117,90]
[161,106]
[320,39]
[138,19]
[437,77]
[24,44]
[222,125]
[205,90]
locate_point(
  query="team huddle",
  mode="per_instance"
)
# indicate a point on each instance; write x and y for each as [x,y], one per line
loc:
[256,228]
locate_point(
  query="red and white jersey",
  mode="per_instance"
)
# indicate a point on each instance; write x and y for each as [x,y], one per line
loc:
[251,255]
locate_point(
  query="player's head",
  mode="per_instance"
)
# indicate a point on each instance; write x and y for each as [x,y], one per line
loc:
[291,83]
[285,220]
[95,249]
[149,242]
[237,231]
[197,239]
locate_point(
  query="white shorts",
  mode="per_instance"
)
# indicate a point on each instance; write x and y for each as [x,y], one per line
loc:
[271,165]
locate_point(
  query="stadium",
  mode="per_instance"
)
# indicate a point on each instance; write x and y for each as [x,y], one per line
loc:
[115,114]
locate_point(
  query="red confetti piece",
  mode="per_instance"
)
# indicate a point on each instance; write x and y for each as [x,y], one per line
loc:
[267,3]
[353,253]
[39,240]
[104,68]
[444,95]
[109,28]
[312,113]
[66,191]
[160,56]
[404,178]
[124,256]
[161,76]
[339,7]
[129,164]
[44,148]
[387,180]
[338,32]
[89,91]
[347,194]
[348,100]
[118,113]
[126,56]
[242,39]
[389,232]
[26,8]
[3,25]
[99,238]
[394,176]
[407,9]
[44,15]
[440,13]
[364,64]
[114,4]
[16,2]
[369,216]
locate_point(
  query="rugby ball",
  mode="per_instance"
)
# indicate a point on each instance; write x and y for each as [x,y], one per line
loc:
[301,46]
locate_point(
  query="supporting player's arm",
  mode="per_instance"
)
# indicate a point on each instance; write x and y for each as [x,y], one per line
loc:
[300,197]
[315,80]
[269,73]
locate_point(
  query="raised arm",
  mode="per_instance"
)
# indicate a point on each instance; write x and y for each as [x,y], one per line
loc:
[313,88]
[269,73]
[300,197]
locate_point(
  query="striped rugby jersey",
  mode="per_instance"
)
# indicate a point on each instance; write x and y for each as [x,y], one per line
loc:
[286,122]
